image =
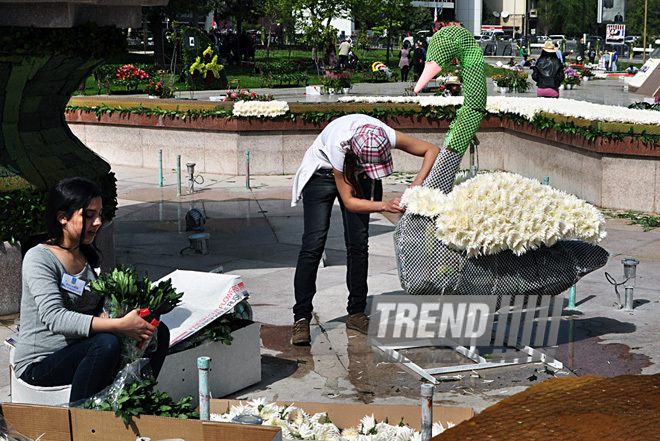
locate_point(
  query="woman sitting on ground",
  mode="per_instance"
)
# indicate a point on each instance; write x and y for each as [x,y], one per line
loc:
[62,338]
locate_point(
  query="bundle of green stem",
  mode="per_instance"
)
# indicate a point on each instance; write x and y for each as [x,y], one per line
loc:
[123,291]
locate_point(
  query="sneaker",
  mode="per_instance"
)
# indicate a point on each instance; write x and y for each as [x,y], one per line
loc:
[301,333]
[358,322]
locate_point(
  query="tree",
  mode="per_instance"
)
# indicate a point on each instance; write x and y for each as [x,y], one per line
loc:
[418,18]
[315,16]
[275,11]
[390,16]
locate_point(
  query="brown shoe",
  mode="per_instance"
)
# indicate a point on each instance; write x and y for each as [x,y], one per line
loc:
[301,335]
[358,322]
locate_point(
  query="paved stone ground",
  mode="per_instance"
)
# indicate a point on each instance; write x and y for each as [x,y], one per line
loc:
[256,234]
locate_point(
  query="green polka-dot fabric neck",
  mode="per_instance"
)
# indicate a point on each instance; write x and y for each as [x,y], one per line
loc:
[455,42]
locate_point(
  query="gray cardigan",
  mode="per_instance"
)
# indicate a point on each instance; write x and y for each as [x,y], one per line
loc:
[51,318]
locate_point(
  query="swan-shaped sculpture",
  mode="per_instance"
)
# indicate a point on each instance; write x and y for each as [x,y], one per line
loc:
[430,267]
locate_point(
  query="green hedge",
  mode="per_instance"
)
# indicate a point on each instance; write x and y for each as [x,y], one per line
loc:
[281,73]
[21,214]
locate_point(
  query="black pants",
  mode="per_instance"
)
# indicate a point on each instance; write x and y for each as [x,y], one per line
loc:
[91,364]
[319,196]
[404,73]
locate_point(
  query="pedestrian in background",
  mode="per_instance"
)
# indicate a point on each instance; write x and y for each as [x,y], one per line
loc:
[548,72]
[344,49]
[404,63]
[419,60]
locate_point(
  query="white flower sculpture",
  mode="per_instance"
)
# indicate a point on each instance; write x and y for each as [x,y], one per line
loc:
[297,424]
[268,109]
[504,211]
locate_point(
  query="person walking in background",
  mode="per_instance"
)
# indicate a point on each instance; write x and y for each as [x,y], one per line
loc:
[344,49]
[548,73]
[606,59]
[557,52]
[419,60]
[404,63]
[613,59]
[349,155]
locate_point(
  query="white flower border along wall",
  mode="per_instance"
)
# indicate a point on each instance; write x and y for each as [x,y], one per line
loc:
[617,172]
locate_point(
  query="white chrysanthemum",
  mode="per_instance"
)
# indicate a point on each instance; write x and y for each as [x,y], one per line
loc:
[367,423]
[437,429]
[238,409]
[270,410]
[504,211]
[306,431]
[223,418]
[320,418]
[417,436]
[260,108]
[350,433]
[325,432]
[404,433]
[293,413]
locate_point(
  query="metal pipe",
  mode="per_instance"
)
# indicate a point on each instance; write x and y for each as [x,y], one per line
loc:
[191,176]
[473,171]
[628,306]
[247,169]
[571,297]
[203,364]
[160,167]
[546,180]
[178,175]
[427,411]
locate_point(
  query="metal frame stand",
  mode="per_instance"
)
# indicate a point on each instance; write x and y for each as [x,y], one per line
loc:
[529,354]
[533,356]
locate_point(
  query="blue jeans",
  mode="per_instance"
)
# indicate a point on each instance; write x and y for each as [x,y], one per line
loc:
[90,365]
[318,197]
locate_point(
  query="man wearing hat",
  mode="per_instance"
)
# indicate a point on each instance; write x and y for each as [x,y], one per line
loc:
[343,162]
[548,72]
[452,87]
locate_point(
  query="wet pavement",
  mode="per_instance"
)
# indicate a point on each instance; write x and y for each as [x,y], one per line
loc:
[255,233]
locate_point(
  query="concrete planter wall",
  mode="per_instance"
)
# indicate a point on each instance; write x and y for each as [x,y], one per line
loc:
[610,174]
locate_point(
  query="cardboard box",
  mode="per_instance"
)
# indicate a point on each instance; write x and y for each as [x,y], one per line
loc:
[349,415]
[67,424]
[233,367]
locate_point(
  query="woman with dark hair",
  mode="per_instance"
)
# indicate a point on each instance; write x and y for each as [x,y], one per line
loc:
[63,339]
[548,72]
[344,162]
